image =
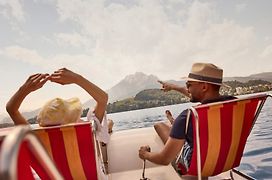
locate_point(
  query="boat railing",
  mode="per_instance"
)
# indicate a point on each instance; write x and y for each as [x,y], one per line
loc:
[10,149]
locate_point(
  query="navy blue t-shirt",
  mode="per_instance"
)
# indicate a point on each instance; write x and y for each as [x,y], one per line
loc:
[179,125]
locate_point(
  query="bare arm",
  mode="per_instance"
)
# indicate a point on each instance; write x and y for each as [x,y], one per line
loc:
[169,86]
[33,83]
[64,76]
[166,155]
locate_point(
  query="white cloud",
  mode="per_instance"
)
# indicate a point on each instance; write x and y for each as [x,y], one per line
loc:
[267,52]
[111,39]
[32,57]
[71,39]
[268,38]
[13,12]
[84,64]
[122,38]
[240,7]
[13,9]
[23,54]
[147,32]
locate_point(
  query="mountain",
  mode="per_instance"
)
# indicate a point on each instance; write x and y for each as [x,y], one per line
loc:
[131,85]
[134,83]
[147,98]
[266,76]
[28,115]
[128,87]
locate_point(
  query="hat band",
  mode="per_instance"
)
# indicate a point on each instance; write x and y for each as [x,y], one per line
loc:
[204,78]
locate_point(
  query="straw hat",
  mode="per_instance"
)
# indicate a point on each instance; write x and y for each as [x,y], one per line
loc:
[59,111]
[206,72]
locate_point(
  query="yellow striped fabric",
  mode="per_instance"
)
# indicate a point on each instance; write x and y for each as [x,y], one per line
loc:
[237,126]
[214,139]
[44,138]
[72,153]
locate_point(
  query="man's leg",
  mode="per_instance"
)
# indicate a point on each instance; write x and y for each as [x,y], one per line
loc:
[163,131]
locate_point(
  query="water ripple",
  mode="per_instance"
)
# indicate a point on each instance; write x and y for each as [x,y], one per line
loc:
[258,151]
[267,160]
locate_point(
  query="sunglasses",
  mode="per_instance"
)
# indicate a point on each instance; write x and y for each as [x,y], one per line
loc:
[189,84]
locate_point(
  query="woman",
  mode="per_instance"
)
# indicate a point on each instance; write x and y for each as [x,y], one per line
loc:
[62,76]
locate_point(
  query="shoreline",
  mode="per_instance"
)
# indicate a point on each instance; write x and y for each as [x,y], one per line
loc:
[10,124]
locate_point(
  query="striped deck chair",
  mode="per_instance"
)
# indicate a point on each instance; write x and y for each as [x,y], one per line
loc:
[220,133]
[72,148]
[19,149]
[22,168]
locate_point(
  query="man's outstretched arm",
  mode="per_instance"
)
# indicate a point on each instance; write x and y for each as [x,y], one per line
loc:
[169,86]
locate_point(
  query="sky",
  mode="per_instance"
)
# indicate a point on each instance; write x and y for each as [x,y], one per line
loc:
[105,40]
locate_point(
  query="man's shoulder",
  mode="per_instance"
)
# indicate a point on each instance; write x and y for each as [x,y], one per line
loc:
[226,97]
[220,98]
[184,113]
[181,118]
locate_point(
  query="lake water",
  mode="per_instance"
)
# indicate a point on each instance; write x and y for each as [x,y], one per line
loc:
[257,158]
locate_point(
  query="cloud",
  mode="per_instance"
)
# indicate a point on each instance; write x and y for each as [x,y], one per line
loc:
[116,38]
[157,32]
[13,9]
[71,39]
[147,31]
[107,40]
[23,54]
[121,37]
[240,7]
[32,57]
[267,52]
[81,63]
[268,38]
[13,12]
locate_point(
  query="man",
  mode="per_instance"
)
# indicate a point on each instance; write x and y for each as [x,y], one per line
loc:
[203,84]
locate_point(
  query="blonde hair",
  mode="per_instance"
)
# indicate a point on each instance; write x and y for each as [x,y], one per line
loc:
[59,111]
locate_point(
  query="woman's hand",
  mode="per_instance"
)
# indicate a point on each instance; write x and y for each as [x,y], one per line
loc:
[34,82]
[64,76]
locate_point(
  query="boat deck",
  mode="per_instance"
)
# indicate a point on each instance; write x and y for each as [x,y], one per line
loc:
[124,163]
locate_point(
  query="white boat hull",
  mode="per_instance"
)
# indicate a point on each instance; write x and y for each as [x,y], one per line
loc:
[124,162]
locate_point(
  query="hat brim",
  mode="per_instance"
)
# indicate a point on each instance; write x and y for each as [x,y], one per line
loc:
[197,80]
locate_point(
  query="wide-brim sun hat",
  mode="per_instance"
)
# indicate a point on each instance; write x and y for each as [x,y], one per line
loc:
[206,72]
[59,111]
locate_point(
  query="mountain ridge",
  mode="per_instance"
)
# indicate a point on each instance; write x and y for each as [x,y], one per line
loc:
[267,76]
[134,83]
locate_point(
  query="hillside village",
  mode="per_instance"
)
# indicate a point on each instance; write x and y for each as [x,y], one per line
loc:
[252,86]
[155,97]
[139,91]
